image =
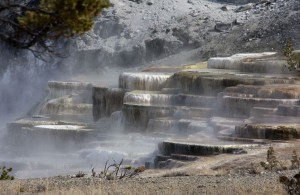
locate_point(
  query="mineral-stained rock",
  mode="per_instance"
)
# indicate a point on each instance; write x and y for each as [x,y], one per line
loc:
[190,148]
[143,81]
[288,110]
[106,101]
[269,131]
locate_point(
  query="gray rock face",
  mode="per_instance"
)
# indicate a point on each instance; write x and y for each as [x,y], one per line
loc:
[238,1]
[135,32]
[137,1]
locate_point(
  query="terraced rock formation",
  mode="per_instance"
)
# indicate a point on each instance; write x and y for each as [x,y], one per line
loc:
[235,104]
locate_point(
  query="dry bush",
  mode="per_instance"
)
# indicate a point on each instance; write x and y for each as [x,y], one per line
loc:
[293,62]
[291,185]
[272,162]
[295,161]
[117,171]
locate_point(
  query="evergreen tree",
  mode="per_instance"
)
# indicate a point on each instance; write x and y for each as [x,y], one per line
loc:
[37,24]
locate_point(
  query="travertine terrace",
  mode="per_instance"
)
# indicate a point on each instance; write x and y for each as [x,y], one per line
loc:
[227,105]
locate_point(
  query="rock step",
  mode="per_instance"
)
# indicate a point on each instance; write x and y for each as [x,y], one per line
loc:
[161,158]
[193,126]
[260,111]
[53,108]
[141,114]
[157,98]
[149,81]
[228,124]
[241,95]
[282,91]
[184,112]
[272,119]
[172,91]
[172,161]
[210,83]
[46,135]
[224,120]
[241,107]
[106,101]
[234,62]
[288,110]
[226,132]
[161,124]
[246,140]
[183,157]
[30,123]
[220,127]
[243,89]
[251,63]
[269,131]
[69,85]
[59,88]
[274,127]
[270,66]
[196,100]
[72,118]
[191,148]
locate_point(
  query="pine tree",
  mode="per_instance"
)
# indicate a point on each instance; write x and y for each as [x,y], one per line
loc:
[40,23]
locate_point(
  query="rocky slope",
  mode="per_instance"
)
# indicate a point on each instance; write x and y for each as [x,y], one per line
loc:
[134,32]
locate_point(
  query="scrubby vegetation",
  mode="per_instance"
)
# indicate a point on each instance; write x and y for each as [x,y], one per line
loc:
[292,60]
[292,185]
[5,174]
[117,171]
[273,163]
[42,23]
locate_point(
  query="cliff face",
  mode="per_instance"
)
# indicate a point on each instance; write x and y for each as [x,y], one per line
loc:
[136,32]
[131,33]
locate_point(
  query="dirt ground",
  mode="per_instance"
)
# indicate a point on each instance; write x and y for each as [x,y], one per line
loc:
[221,174]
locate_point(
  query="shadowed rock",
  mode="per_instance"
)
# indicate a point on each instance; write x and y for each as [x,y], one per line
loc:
[269,131]
[191,148]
